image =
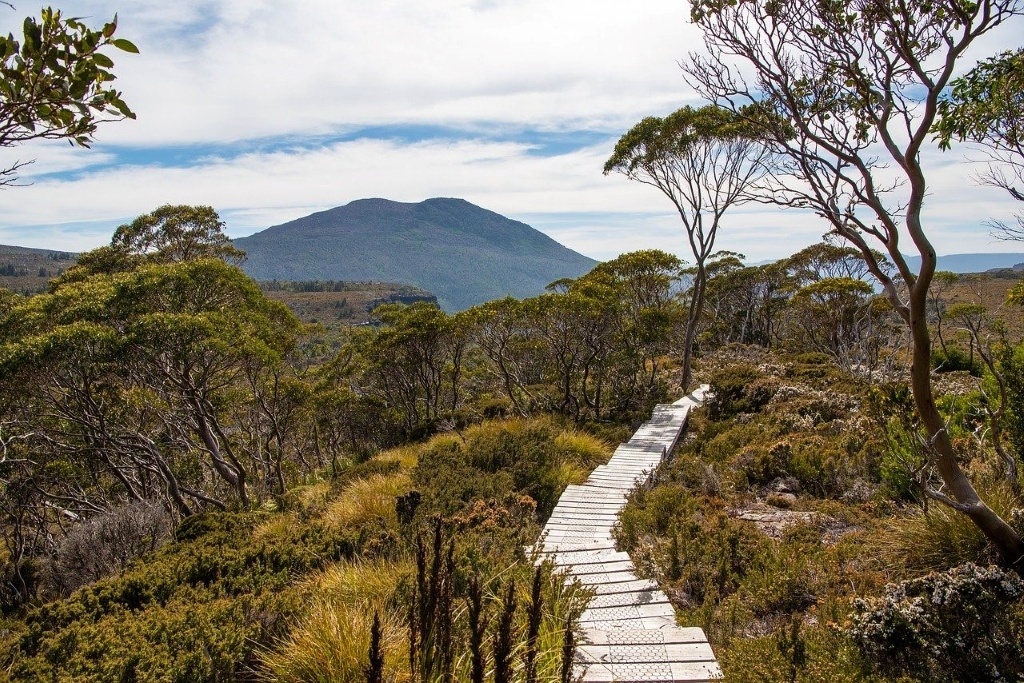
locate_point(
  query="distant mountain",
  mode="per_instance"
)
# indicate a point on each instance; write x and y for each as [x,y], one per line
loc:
[28,271]
[972,263]
[460,252]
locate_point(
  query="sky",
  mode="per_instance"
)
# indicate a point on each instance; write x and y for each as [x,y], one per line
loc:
[271,110]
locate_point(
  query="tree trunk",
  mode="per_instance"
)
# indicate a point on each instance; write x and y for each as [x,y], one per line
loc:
[995,529]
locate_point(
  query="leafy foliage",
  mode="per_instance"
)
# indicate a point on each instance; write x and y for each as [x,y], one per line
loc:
[54,82]
[947,626]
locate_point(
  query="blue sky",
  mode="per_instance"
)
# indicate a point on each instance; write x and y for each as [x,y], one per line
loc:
[270,110]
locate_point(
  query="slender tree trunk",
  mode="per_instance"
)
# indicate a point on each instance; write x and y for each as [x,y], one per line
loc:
[696,310]
[1002,535]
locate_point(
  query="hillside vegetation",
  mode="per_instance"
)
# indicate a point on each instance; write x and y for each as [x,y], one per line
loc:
[196,486]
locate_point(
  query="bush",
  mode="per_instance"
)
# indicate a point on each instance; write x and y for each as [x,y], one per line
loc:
[496,460]
[956,360]
[739,389]
[966,623]
[105,545]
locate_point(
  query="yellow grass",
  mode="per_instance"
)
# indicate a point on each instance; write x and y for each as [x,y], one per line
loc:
[583,449]
[276,527]
[405,456]
[332,640]
[366,499]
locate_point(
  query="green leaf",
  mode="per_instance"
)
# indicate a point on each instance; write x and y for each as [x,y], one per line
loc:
[125,44]
[103,60]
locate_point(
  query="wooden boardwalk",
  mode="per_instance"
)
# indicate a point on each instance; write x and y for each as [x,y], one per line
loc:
[629,626]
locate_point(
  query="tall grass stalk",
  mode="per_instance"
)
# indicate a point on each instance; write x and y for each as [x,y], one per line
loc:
[503,638]
[533,625]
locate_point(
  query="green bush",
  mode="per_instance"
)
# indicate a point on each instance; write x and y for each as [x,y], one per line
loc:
[956,360]
[739,389]
[966,623]
[497,459]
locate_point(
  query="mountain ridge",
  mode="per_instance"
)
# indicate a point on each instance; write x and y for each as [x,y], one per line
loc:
[461,252]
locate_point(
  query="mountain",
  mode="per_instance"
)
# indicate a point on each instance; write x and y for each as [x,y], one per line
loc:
[460,252]
[972,263]
[28,271]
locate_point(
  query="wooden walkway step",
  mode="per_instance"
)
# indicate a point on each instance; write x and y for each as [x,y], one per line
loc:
[629,627]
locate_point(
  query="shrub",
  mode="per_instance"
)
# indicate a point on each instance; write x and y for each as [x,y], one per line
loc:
[739,389]
[966,623]
[105,544]
[827,657]
[499,459]
[956,360]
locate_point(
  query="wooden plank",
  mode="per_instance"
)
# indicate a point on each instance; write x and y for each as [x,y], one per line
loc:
[667,636]
[647,652]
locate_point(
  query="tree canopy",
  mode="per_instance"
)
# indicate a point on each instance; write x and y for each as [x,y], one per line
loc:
[986,106]
[705,161]
[859,86]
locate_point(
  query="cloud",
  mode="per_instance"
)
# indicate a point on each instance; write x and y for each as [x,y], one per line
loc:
[234,70]
[272,110]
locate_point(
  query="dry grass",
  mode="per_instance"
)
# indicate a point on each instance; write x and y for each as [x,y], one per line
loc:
[331,642]
[367,499]
[583,449]
[310,499]
[405,456]
[942,537]
[278,526]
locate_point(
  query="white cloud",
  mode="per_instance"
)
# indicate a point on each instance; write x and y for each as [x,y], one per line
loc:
[223,71]
[239,69]
[254,191]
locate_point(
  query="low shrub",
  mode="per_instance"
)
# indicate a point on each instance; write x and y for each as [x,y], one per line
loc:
[966,623]
[106,544]
[495,460]
[953,359]
[739,389]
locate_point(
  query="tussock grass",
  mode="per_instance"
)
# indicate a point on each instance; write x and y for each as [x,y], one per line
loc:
[570,473]
[366,499]
[331,642]
[309,500]
[405,456]
[278,526]
[942,537]
[582,449]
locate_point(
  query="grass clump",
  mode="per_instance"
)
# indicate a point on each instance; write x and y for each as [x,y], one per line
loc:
[331,640]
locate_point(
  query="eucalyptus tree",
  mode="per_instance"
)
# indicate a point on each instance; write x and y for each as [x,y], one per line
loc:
[126,383]
[744,303]
[414,362]
[55,83]
[857,87]
[500,330]
[646,284]
[177,233]
[986,106]
[705,161]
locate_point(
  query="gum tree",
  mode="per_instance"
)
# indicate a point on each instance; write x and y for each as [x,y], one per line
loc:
[704,160]
[859,85]
[55,83]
